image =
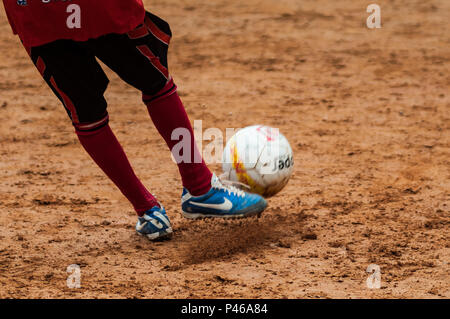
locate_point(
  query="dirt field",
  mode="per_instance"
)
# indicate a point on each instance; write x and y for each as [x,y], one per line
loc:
[367,113]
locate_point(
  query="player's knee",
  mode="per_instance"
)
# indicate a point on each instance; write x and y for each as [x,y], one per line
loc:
[154,86]
[166,90]
[86,127]
[88,116]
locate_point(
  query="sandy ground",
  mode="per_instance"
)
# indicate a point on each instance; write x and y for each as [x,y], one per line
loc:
[367,113]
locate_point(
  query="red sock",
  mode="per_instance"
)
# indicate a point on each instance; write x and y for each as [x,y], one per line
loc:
[168,113]
[104,148]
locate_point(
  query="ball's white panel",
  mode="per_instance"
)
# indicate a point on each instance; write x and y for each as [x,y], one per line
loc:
[259,156]
[249,145]
[275,165]
[245,147]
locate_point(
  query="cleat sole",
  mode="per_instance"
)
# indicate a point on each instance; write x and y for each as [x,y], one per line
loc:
[157,236]
[189,215]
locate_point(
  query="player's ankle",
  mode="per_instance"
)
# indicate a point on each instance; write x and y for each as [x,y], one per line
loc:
[141,212]
[200,189]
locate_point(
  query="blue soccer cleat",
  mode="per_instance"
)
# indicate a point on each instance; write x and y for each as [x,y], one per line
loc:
[222,201]
[154,224]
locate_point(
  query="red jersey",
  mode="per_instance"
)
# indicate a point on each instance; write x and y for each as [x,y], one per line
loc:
[42,21]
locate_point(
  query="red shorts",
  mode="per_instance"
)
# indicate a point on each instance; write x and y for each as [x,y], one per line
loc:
[42,21]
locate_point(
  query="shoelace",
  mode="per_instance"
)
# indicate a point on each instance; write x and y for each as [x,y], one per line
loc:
[229,187]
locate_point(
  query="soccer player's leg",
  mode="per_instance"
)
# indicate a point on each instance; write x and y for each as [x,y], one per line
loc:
[76,78]
[140,59]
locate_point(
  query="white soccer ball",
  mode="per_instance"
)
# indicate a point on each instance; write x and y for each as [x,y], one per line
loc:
[259,156]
